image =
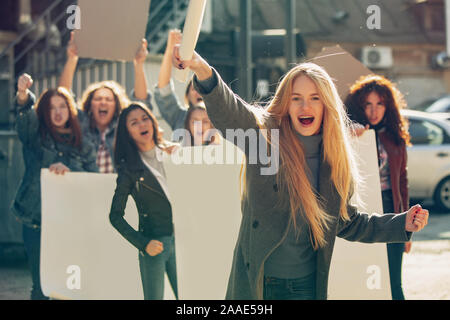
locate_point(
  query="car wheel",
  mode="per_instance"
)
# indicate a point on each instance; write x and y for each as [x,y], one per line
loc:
[442,195]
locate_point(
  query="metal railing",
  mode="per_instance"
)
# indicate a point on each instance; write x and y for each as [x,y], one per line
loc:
[164,15]
[46,16]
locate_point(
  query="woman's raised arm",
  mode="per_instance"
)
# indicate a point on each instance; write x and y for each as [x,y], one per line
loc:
[68,72]
[140,82]
[165,72]
[225,109]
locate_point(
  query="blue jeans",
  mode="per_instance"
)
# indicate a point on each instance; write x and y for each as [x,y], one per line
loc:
[153,267]
[290,289]
[32,243]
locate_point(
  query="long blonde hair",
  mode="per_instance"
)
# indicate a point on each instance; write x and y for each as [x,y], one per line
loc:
[336,145]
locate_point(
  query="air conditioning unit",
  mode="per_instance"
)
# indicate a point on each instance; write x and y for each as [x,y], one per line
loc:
[377,57]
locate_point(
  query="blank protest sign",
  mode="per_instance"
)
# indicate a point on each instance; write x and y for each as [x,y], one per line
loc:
[360,270]
[76,232]
[111,29]
[80,246]
[342,67]
[207,206]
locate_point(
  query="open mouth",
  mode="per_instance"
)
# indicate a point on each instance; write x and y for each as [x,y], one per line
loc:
[143,133]
[103,112]
[306,120]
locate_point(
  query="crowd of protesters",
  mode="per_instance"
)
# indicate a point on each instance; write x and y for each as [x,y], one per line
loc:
[289,220]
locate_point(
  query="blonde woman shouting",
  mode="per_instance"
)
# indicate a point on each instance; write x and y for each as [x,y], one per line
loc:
[290,219]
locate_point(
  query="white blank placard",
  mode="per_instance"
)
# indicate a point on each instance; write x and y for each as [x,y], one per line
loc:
[360,270]
[191,31]
[206,211]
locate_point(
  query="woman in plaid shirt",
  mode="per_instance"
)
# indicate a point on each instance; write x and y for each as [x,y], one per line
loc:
[102,103]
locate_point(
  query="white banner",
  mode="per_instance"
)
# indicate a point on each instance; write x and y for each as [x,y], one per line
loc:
[360,270]
[84,257]
[79,245]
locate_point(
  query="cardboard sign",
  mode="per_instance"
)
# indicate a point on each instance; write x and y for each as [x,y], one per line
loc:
[111,29]
[342,67]
[206,200]
[84,257]
[358,271]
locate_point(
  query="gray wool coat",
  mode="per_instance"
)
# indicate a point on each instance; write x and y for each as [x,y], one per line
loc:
[264,223]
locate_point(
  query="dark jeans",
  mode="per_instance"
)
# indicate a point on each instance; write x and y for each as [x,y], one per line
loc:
[32,243]
[395,253]
[290,289]
[153,267]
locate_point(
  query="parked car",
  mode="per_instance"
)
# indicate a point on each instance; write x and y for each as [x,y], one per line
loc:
[440,105]
[423,105]
[442,115]
[429,157]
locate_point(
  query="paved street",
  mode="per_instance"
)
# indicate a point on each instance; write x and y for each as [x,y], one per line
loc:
[426,271]
[15,282]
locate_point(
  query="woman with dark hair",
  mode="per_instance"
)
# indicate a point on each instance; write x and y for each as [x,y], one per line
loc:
[198,128]
[375,102]
[138,147]
[102,102]
[51,138]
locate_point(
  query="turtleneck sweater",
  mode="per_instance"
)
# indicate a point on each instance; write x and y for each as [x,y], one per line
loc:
[295,256]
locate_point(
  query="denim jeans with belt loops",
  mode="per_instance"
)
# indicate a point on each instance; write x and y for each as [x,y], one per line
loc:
[152,270]
[303,288]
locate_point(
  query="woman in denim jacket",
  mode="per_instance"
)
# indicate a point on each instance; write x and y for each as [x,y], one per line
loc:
[102,102]
[51,138]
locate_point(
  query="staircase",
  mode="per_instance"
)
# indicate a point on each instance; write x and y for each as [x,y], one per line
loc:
[164,15]
[44,59]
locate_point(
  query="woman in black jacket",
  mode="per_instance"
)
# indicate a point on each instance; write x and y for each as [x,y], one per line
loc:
[138,147]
